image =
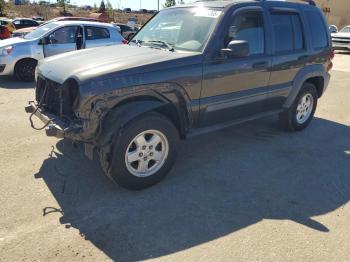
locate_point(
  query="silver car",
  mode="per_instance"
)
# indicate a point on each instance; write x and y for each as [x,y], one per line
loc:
[19,56]
[341,40]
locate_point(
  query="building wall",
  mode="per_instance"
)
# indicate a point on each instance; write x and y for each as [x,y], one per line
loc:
[339,11]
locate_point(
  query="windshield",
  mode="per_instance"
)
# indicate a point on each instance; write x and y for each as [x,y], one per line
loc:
[345,30]
[185,29]
[40,31]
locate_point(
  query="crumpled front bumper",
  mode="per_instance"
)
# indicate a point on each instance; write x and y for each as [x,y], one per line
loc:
[55,127]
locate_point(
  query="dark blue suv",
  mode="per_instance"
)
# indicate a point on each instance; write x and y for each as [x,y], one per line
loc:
[191,69]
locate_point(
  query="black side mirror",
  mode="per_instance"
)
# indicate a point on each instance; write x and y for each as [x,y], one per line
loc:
[43,41]
[236,48]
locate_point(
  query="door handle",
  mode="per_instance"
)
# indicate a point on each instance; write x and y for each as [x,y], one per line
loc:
[260,65]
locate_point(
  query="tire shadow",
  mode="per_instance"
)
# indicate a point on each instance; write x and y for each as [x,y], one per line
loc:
[222,182]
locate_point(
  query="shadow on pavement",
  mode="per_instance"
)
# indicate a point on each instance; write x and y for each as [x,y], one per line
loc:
[8,82]
[222,182]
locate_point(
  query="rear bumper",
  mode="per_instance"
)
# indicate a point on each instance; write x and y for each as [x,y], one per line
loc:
[55,127]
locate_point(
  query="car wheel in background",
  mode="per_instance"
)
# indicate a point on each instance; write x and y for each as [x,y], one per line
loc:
[25,70]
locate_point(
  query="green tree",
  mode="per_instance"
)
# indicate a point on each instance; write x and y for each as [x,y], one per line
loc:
[169,3]
[109,8]
[102,8]
[63,3]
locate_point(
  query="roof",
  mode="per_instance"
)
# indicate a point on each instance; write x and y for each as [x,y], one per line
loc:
[82,23]
[216,4]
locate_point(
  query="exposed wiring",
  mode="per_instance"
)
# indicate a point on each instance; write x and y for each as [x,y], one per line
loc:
[36,110]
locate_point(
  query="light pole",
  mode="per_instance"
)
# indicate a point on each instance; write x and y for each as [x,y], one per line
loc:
[158,5]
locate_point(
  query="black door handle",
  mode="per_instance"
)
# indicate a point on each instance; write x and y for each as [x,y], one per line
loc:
[260,65]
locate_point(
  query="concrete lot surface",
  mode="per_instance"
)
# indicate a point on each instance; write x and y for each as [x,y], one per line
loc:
[247,193]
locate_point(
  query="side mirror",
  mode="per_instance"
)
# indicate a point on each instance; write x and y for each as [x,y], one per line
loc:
[236,48]
[43,41]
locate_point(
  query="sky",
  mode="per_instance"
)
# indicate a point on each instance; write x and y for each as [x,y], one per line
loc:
[133,4]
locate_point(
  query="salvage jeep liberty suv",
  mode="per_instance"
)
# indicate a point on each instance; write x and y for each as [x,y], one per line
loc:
[191,69]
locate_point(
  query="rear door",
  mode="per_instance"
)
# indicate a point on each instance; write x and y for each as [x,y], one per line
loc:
[96,36]
[62,40]
[290,50]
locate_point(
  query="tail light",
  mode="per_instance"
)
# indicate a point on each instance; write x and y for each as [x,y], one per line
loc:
[125,41]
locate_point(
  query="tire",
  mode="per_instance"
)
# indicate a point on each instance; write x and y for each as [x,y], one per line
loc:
[292,119]
[25,70]
[144,171]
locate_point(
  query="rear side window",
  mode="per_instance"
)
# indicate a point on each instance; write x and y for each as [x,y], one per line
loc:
[95,33]
[319,36]
[288,32]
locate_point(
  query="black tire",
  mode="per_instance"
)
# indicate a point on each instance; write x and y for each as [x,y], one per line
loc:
[118,170]
[288,118]
[25,70]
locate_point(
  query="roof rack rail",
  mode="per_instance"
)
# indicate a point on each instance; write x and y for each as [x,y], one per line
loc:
[310,2]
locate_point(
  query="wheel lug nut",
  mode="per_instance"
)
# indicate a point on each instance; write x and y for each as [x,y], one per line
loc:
[140,155]
[151,154]
[151,147]
[143,147]
[145,158]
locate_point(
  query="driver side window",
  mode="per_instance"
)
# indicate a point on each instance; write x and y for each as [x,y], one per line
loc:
[248,26]
[64,35]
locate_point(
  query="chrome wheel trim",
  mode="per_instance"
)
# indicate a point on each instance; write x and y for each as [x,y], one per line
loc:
[304,108]
[147,153]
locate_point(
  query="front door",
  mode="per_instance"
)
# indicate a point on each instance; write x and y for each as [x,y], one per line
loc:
[235,88]
[62,40]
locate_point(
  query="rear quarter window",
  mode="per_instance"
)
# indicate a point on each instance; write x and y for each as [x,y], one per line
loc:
[95,33]
[319,36]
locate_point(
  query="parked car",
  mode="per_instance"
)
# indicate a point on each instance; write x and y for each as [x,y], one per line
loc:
[8,23]
[38,18]
[24,31]
[127,10]
[127,31]
[229,62]
[20,23]
[19,56]
[4,32]
[341,40]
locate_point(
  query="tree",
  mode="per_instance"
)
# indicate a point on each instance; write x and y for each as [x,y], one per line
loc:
[2,6]
[109,8]
[102,8]
[169,3]
[180,2]
[63,3]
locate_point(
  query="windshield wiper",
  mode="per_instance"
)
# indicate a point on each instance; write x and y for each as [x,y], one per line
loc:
[137,42]
[168,46]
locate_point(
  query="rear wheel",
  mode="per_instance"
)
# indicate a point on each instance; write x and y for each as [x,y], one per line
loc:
[25,70]
[144,152]
[301,113]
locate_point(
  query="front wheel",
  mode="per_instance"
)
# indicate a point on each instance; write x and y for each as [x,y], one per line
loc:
[301,113]
[25,70]
[144,152]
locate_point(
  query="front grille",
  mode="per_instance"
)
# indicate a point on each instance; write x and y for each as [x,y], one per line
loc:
[55,98]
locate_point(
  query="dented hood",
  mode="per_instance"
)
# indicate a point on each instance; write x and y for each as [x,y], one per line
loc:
[107,62]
